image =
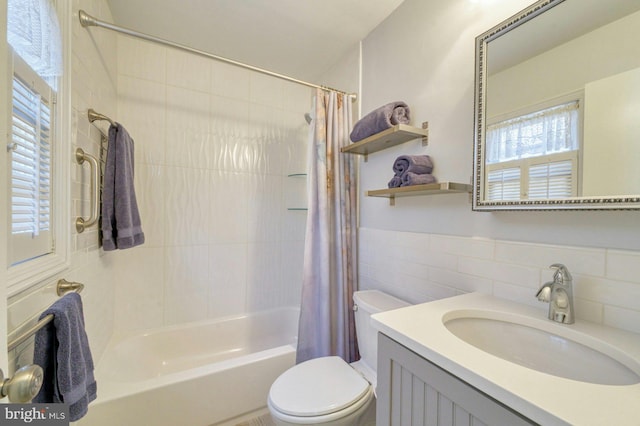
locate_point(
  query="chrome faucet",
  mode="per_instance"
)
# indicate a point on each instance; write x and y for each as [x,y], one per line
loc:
[559,294]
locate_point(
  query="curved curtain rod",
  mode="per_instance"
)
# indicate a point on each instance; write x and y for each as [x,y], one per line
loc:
[87,20]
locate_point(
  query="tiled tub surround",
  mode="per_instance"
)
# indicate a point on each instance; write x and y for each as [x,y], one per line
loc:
[214,144]
[421,267]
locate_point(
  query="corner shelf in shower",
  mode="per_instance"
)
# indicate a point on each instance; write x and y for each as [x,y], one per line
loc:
[414,190]
[396,135]
[297,175]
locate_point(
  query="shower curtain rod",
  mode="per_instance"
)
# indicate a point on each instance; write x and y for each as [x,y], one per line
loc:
[87,20]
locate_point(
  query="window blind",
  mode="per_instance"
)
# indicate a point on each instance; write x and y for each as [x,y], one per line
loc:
[551,180]
[30,169]
[503,184]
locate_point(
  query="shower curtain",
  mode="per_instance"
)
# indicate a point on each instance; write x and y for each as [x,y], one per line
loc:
[327,325]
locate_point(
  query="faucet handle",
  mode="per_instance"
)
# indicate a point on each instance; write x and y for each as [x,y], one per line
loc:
[562,273]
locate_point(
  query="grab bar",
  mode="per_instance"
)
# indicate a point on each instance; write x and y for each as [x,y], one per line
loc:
[62,287]
[81,157]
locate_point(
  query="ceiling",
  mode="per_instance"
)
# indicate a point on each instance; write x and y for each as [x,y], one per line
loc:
[300,38]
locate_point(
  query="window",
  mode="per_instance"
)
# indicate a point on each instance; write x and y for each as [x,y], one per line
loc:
[32,105]
[38,195]
[534,156]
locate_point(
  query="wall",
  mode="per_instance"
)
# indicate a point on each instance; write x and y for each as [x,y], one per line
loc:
[93,85]
[426,248]
[214,146]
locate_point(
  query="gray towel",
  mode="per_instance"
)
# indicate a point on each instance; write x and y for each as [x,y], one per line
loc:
[381,119]
[410,178]
[395,182]
[418,164]
[62,350]
[121,227]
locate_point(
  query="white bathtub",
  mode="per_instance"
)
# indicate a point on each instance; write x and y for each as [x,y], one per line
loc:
[197,374]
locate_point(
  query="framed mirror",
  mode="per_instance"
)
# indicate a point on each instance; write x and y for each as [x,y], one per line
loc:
[557,111]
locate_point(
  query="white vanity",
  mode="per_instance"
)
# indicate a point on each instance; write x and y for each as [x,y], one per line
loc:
[478,359]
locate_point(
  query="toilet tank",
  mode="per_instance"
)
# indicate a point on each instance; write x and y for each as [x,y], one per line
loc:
[367,303]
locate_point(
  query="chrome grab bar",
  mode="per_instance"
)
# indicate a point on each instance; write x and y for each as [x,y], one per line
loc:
[62,287]
[81,157]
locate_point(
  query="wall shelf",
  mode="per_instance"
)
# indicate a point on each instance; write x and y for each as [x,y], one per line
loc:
[396,135]
[415,190]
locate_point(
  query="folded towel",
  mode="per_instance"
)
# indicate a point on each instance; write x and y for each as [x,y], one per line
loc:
[120,217]
[62,350]
[395,182]
[410,178]
[381,119]
[418,164]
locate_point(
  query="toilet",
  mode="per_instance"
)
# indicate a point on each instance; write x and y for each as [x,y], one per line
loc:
[327,390]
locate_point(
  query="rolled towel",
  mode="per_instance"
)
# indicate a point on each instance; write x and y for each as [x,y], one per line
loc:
[418,164]
[395,182]
[381,119]
[410,179]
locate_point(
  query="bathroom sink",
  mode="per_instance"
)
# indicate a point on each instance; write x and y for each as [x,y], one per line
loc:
[550,352]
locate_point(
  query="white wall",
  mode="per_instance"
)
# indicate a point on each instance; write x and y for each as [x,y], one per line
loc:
[426,248]
[424,54]
[214,146]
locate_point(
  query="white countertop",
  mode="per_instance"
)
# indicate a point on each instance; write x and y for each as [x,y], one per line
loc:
[543,398]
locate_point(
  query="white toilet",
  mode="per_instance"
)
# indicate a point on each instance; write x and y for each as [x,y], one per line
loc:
[328,391]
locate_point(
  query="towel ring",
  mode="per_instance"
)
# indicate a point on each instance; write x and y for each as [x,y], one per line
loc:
[81,157]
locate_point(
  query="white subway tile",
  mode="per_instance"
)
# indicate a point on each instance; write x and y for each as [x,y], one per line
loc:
[623,265]
[577,260]
[609,292]
[461,246]
[463,282]
[499,271]
[625,319]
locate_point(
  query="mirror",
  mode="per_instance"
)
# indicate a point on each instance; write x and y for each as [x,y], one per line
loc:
[557,114]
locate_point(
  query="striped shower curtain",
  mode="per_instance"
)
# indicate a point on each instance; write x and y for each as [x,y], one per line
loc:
[327,325]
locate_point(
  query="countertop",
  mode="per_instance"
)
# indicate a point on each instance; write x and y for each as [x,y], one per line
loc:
[543,398]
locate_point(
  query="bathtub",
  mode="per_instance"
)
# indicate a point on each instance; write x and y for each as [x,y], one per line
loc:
[201,373]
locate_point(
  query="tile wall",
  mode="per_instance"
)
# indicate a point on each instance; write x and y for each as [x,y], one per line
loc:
[421,267]
[214,146]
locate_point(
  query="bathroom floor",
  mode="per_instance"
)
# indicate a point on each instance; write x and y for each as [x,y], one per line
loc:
[263,420]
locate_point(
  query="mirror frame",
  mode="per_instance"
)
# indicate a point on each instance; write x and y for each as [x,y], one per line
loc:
[578,203]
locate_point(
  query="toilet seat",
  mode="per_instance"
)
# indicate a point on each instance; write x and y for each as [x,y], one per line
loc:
[319,390]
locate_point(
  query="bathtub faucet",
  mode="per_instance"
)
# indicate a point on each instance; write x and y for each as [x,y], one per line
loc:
[559,294]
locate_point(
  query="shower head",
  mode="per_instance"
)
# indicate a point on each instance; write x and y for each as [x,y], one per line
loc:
[307,117]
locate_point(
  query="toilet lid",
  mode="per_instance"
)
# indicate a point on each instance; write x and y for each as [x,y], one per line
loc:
[317,387]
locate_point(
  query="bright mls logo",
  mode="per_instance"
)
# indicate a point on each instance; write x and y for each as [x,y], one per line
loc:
[35,414]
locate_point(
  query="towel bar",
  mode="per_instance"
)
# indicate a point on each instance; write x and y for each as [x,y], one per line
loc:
[81,157]
[62,287]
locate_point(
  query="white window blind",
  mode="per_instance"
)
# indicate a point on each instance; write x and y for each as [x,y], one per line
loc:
[31,131]
[551,180]
[503,184]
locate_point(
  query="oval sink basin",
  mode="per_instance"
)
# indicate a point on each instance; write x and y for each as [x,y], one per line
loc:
[542,351]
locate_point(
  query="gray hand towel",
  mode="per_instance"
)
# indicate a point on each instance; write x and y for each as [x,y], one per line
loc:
[395,182]
[418,164]
[381,119]
[121,228]
[62,350]
[410,179]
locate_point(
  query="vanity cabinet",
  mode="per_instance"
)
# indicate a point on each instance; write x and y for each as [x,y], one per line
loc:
[412,391]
